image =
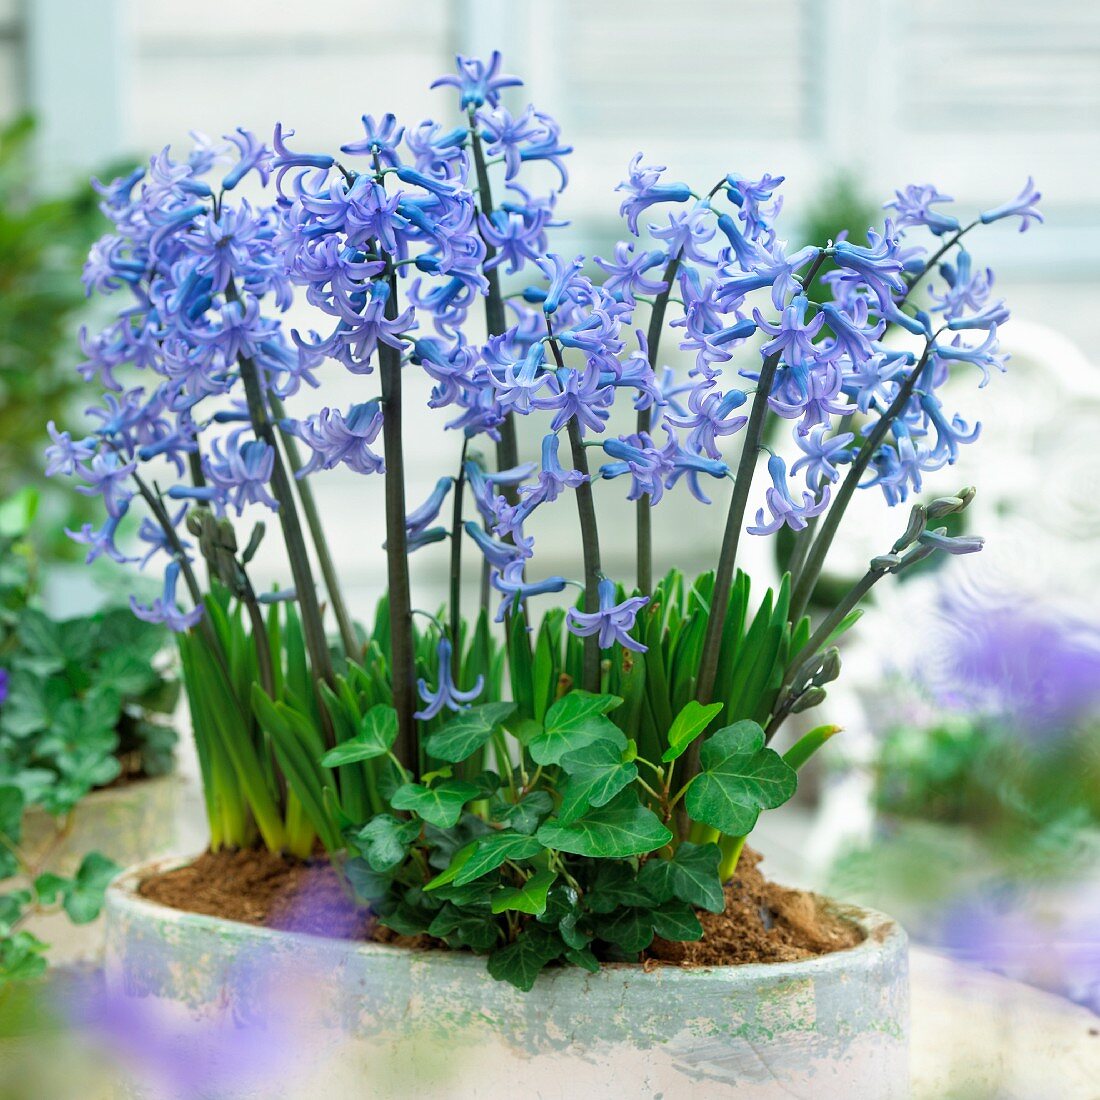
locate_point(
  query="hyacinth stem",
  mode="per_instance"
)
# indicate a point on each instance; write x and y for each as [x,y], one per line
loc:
[456,562]
[348,636]
[590,536]
[402,657]
[804,588]
[198,479]
[495,319]
[160,514]
[261,642]
[590,546]
[735,520]
[644,507]
[798,664]
[815,559]
[304,585]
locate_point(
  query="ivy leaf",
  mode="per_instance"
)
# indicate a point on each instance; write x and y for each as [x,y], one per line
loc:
[521,962]
[630,929]
[126,672]
[445,843]
[581,956]
[596,774]
[491,851]
[11,909]
[47,887]
[528,898]
[461,928]
[21,958]
[573,722]
[487,783]
[467,732]
[384,841]
[690,875]
[440,805]
[740,777]
[101,711]
[624,827]
[84,898]
[367,883]
[27,709]
[11,813]
[676,921]
[526,815]
[688,724]
[41,641]
[615,885]
[377,733]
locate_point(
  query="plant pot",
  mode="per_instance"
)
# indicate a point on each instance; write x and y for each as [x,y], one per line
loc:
[130,823]
[344,1019]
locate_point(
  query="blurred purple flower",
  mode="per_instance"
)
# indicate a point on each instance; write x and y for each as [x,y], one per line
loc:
[1037,673]
[1049,939]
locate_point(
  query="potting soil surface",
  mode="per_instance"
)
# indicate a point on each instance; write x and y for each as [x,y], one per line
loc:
[762,922]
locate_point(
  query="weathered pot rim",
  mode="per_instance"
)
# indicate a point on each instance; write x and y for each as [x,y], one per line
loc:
[119,792]
[882,935]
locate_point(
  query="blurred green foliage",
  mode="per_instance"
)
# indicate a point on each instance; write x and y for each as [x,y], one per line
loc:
[87,697]
[85,704]
[969,771]
[43,243]
[840,207]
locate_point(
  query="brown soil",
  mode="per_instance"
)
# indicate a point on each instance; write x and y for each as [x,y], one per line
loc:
[762,922]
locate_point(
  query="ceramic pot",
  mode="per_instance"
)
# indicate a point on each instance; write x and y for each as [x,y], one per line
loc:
[129,823]
[277,1014]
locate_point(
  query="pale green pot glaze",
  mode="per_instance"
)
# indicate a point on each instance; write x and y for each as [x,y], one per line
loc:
[130,824]
[335,1019]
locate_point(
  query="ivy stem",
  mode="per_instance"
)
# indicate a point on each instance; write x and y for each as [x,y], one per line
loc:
[495,319]
[351,643]
[402,658]
[590,537]
[815,559]
[644,507]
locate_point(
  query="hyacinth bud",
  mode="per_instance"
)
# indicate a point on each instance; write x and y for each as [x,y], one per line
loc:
[830,668]
[810,698]
[885,563]
[946,506]
[918,553]
[196,521]
[227,537]
[939,539]
[254,542]
[914,529]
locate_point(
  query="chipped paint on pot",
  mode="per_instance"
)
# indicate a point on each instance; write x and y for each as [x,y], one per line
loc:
[277,1014]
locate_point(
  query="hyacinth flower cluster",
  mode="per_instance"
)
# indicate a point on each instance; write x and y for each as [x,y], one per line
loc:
[429,247]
